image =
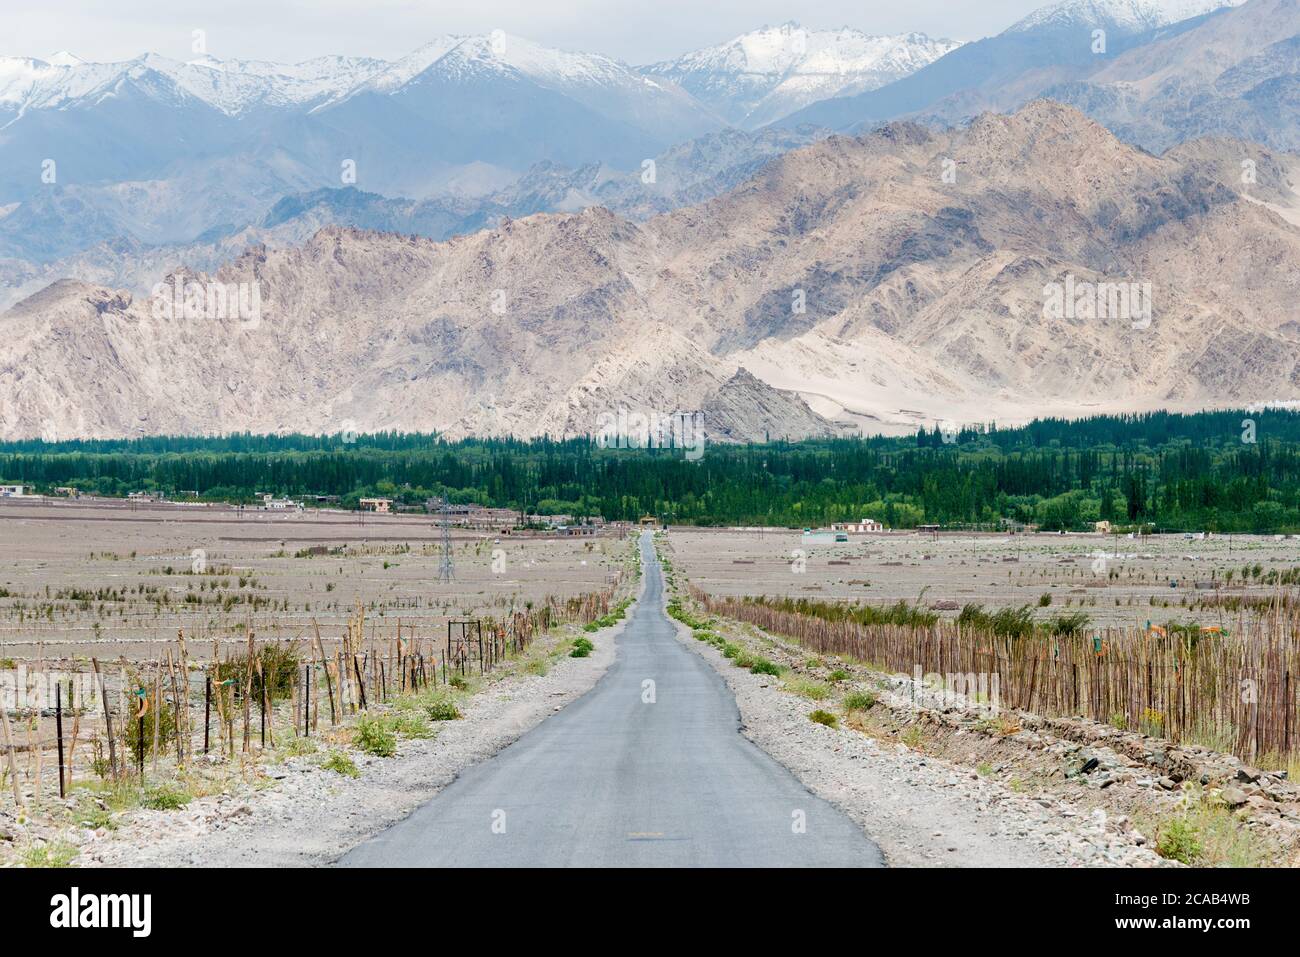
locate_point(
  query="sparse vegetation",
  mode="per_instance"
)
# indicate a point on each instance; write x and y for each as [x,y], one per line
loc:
[51,854]
[442,709]
[341,763]
[166,797]
[374,736]
[824,717]
[808,688]
[859,701]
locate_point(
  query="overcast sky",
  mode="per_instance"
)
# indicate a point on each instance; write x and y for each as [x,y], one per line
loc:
[638,31]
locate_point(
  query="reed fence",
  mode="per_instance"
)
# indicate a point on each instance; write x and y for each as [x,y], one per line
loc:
[1235,692]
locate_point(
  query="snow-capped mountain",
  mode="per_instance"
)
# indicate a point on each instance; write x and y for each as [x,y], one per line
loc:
[476,109]
[510,93]
[163,153]
[1053,45]
[761,76]
[1133,15]
[233,87]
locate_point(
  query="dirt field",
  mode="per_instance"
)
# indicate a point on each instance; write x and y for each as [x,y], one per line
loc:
[110,579]
[1115,580]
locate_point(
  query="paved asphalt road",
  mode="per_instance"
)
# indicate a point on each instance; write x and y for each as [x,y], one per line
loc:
[614,781]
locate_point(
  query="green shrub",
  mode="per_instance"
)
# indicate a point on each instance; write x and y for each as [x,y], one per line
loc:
[825,717]
[582,647]
[729,650]
[1178,840]
[1044,599]
[408,725]
[1068,626]
[443,709]
[839,674]
[458,681]
[166,720]
[281,663]
[340,763]
[94,817]
[375,737]
[859,701]
[743,659]
[166,797]
[764,667]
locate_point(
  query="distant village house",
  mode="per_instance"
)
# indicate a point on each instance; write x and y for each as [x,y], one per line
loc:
[863,527]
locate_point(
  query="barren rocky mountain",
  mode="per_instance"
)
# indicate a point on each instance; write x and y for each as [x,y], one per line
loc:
[1234,74]
[76,233]
[880,282]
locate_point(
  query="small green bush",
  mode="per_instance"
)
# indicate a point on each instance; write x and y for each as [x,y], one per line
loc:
[280,663]
[408,725]
[839,674]
[859,701]
[764,667]
[340,763]
[166,797]
[375,737]
[458,681]
[1178,840]
[825,717]
[444,709]
[729,650]
[94,817]
[582,647]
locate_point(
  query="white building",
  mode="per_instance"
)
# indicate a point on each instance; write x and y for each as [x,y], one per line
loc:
[13,491]
[279,504]
[862,527]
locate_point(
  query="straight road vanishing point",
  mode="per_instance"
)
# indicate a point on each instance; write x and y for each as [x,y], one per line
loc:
[621,778]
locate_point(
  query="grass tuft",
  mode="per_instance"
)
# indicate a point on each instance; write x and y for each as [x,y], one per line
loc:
[824,717]
[340,763]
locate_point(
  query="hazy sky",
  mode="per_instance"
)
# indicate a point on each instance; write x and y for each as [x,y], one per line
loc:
[638,31]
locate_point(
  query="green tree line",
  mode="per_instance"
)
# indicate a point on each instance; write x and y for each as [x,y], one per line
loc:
[1173,472]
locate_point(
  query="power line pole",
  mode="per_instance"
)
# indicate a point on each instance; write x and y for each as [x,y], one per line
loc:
[447,569]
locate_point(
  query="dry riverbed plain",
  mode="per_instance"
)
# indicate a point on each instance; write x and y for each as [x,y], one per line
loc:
[1117,581]
[111,579]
